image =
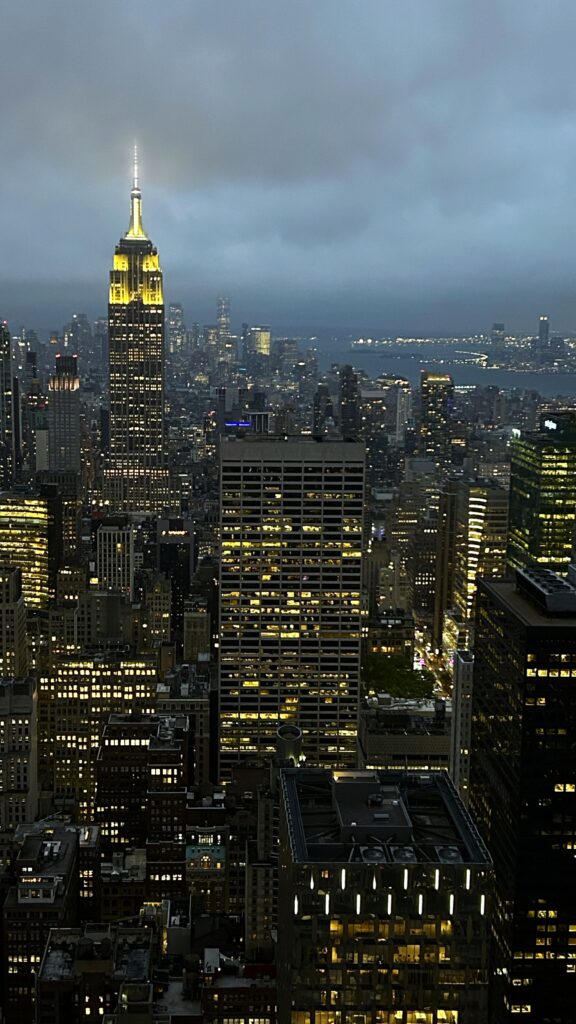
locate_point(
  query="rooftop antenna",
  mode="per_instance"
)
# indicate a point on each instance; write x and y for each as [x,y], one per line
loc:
[135,182]
[136,229]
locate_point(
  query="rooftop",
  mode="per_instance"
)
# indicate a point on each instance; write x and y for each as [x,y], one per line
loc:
[291,447]
[48,855]
[382,816]
[552,593]
[531,604]
[123,952]
[185,681]
[162,731]
[13,687]
[404,716]
[126,866]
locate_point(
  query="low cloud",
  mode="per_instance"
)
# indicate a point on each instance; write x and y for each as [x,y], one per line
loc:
[390,166]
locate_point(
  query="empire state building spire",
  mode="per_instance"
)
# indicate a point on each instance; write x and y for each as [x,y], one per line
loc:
[136,477]
[136,229]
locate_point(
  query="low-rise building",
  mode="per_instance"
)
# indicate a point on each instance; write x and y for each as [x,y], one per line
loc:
[404,734]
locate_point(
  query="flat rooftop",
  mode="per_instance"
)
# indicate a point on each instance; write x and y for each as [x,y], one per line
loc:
[517,602]
[129,865]
[405,717]
[290,447]
[370,816]
[185,682]
[48,855]
[123,952]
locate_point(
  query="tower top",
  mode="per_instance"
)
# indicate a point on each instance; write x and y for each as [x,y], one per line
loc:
[136,228]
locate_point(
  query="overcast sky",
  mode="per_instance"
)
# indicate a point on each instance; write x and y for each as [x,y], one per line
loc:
[382,165]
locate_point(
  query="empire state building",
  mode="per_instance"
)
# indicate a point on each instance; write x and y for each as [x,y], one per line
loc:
[135,477]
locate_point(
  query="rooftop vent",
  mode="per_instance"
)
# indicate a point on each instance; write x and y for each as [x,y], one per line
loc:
[550,592]
[373,854]
[403,854]
[375,800]
[448,854]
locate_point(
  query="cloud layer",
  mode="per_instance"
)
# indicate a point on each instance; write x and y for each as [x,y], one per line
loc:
[406,165]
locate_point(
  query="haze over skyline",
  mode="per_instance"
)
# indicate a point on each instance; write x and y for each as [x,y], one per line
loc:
[399,167]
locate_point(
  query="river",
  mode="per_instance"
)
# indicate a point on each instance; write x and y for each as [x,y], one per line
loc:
[439,358]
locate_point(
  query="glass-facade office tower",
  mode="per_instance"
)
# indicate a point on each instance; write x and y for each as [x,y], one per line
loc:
[543,497]
[290,591]
[136,478]
[523,788]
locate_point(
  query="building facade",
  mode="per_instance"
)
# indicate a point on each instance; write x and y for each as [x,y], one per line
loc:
[460,733]
[480,544]
[290,596]
[436,400]
[18,752]
[44,895]
[30,538]
[64,440]
[13,633]
[543,497]
[7,410]
[136,478]
[115,555]
[75,702]
[384,901]
[523,787]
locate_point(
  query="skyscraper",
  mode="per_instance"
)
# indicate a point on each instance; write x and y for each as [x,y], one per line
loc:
[323,410]
[78,335]
[523,787]
[257,342]
[543,496]
[64,416]
[176,327]
[175,558]
[480,544]
[498,337]
[350,413]
[7,449]
[543,338]
[384,901]
[291,540]
[30,538]
[136,478]
[115,555]
[436,397]
[223,316]
[227,348]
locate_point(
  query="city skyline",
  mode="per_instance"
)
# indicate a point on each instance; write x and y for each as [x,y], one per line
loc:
[415,174]
[288,537]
